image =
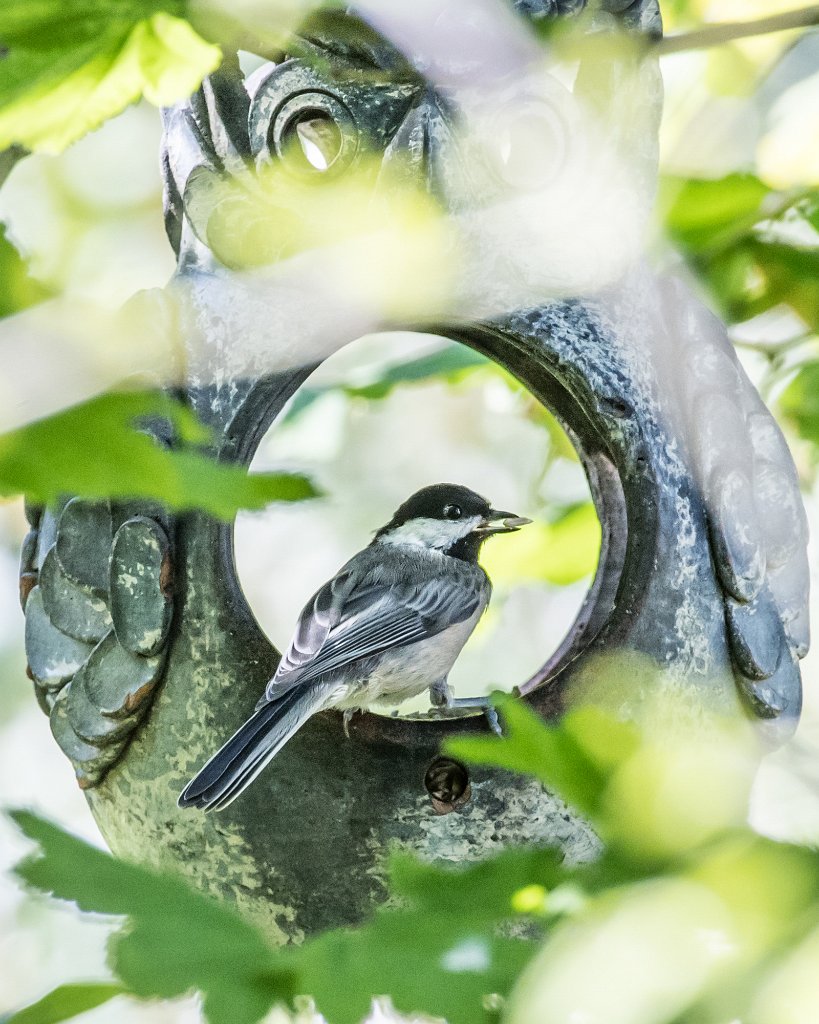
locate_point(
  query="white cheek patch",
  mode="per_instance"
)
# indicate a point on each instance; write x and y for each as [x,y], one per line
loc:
[431,533]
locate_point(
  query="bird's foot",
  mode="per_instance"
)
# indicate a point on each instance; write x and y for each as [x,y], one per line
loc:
[485,704]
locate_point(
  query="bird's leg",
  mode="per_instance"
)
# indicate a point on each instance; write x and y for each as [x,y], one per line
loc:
[441,696]
[347,717]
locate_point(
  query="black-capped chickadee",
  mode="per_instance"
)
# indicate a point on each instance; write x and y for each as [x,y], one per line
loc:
[387,626]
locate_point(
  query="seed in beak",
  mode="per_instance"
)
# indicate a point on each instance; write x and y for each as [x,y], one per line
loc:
[515,522]
[503,522]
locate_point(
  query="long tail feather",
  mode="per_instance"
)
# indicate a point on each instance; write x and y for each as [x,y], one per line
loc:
[233,767]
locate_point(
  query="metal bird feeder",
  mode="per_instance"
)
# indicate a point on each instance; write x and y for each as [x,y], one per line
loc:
[145,654]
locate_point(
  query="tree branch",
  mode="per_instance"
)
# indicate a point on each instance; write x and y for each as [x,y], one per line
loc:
[718,35]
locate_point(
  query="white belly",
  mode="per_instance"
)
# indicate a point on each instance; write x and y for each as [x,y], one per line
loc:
[410,670]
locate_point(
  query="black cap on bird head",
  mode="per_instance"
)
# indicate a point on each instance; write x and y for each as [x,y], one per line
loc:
[466,520]
[440,501]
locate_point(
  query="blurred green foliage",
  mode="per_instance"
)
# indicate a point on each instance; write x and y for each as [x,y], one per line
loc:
[800,402]
[755,250]
[448,363]
[50,458]
[687,917]
[67,1001]
[68,68]
[225,958]
[571,758]
[734,910]
[752,246]
[19,290]
[559,552]
[699,212]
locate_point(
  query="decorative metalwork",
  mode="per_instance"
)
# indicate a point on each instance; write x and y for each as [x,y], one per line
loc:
[757,525]
[638,15]
[96,586]
[703,572]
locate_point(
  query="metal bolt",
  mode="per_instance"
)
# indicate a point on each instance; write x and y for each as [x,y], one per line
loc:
[447,783]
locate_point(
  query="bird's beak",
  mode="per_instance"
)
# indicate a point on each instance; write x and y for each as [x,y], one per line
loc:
[501,522]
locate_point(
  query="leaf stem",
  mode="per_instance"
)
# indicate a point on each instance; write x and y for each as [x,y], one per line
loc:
[774,349]
[727,32]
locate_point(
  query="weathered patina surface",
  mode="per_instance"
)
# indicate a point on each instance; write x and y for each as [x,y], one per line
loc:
[96,588]
[702,583]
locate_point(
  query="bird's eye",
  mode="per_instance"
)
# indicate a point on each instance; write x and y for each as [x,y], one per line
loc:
[452,511]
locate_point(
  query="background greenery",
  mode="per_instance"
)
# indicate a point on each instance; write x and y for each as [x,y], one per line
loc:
[691,916]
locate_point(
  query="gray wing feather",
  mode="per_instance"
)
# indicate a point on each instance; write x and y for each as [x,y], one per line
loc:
[321,614]
[352,617]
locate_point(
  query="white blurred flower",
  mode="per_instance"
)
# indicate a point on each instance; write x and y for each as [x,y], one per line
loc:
[788,153]
[641,959]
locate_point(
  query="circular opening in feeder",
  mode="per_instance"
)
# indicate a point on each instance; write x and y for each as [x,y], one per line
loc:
[312,134]
[385,416]
[312,141]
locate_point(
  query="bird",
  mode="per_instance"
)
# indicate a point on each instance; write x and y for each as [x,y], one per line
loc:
[390,624]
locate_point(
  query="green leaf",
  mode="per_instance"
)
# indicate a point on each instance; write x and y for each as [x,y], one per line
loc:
[574,758]
[448,363]
[800,402]
[19,291]
[790,274]
[96,450]
[435,964]
[484,891]
[176,939]
[69,67]
[700,212]
[724,226]
[757,274]
[810,209]
[66,1002]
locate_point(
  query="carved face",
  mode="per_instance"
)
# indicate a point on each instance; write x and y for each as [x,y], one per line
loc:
[522,186]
